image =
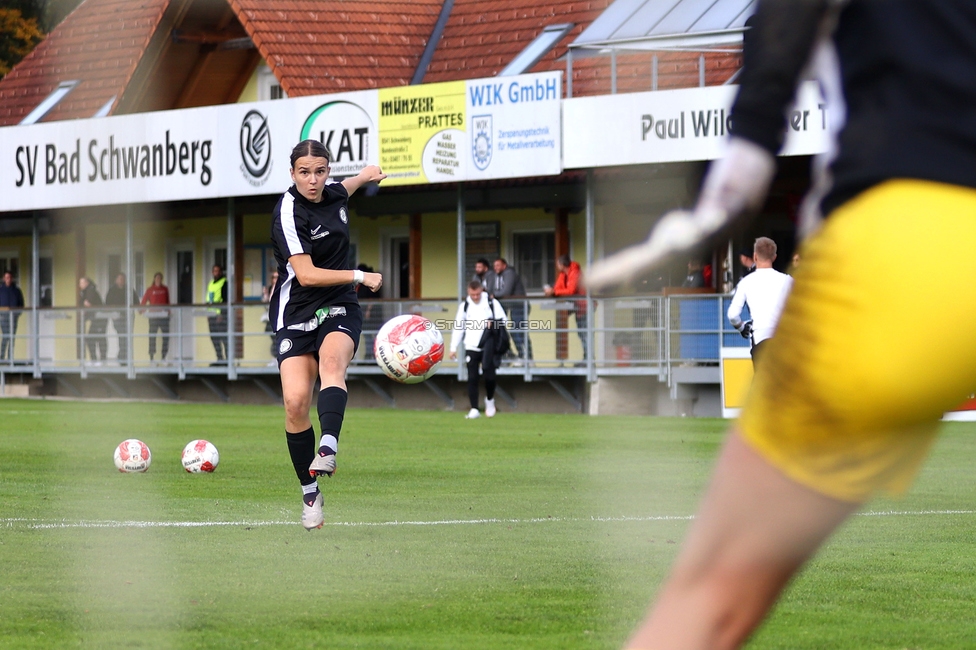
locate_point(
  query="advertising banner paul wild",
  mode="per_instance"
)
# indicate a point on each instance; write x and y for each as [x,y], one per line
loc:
[675,125]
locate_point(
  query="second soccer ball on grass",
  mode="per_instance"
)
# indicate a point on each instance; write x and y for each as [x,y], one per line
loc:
[199,456]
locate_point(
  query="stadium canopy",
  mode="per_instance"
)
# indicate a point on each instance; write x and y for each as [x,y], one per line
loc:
[655,25]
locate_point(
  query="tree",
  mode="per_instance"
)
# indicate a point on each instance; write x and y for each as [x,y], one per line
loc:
[18,36]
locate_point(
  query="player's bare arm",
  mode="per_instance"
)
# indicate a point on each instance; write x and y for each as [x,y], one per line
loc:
[369,174]
[310,275]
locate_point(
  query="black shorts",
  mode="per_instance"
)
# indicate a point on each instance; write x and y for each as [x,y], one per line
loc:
[295,343]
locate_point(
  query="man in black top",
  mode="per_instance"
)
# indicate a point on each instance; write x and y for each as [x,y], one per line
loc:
[11,299]
[120,319]
[505,282]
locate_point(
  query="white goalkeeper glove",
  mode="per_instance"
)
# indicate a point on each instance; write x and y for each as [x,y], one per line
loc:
[736,184]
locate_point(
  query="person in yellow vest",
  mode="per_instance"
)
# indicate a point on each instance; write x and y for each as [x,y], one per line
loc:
[217,294]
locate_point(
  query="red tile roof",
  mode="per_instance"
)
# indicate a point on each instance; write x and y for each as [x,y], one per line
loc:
[321,47]
[100,44]
[483,36]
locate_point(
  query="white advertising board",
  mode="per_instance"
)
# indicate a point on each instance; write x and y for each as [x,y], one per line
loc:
[514,126]
[243,149]
[674,125]
[217,151]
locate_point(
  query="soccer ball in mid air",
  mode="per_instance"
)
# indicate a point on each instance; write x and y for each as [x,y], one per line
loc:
[200,456]
[132,456]
[409,348]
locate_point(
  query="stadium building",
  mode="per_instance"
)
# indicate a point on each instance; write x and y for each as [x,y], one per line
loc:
[153,136]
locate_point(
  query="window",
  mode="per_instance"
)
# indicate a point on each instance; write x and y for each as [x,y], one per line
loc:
[259,265]
[10,263]
[268,86]
[50,102]
[535,258]
[116,265]
[481,240]
[535,50]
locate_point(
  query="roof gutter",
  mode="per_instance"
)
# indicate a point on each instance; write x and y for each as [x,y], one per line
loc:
[432,42]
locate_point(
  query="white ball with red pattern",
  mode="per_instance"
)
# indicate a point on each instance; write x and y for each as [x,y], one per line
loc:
[132,456]
[200,456]
[408,348]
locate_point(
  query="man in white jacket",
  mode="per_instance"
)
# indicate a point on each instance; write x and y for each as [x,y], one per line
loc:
[765,291]
[474,317]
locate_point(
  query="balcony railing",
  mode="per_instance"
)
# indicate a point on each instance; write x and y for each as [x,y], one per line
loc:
[633,335]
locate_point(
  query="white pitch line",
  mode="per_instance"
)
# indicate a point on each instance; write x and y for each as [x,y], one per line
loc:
[47,524]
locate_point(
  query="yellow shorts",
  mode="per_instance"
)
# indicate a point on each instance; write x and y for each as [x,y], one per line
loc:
[877,341]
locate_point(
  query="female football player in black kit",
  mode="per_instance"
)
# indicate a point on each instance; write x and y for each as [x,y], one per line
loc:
[314,311]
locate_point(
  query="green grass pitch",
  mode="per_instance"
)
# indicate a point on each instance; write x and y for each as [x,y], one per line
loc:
[526,531]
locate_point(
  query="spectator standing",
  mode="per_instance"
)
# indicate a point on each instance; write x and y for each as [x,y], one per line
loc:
[747,262]
[482,268]
[505,282]
[120,319]
[696,277]
[11,299]
[765,291]
[91,300]
[569,282]
[473,324]
[157,295]
[217,320]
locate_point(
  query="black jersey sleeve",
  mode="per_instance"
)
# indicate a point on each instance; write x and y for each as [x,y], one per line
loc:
[775,49]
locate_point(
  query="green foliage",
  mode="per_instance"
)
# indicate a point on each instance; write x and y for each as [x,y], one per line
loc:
[18,36]
[525,531]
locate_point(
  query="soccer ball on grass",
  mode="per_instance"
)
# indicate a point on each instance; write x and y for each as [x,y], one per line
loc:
[132,456]
[200,456]
[408,348]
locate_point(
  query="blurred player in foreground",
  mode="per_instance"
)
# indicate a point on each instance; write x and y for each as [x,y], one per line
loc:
[844,404]
[315,312]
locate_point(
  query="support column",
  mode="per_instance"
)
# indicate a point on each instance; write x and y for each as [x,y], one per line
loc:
[129,320]
[591,316]
[35,294]
[416,256]
[80,272]
[232,354]
[462,292]
[562,315]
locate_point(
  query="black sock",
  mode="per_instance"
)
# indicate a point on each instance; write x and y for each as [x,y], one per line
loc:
[332,408]
[301,446]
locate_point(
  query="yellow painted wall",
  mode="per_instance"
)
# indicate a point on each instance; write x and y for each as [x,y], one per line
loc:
[250,92]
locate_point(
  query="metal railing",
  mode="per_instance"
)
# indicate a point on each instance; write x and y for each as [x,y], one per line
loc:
[632,335]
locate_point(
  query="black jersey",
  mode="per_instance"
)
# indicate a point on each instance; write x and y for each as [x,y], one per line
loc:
[906,72]
[320,230]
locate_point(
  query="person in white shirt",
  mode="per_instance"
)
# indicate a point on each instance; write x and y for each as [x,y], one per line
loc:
[765,291]
[471,324]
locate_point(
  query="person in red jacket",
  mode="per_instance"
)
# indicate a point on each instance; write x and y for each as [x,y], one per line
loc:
[157,294]
[569,282]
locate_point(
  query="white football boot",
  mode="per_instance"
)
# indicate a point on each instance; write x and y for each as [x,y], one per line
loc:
[490,408]
[473,414]
[323,465]
[312,516]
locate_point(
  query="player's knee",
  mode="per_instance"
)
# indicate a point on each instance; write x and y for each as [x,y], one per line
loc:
[296,404]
